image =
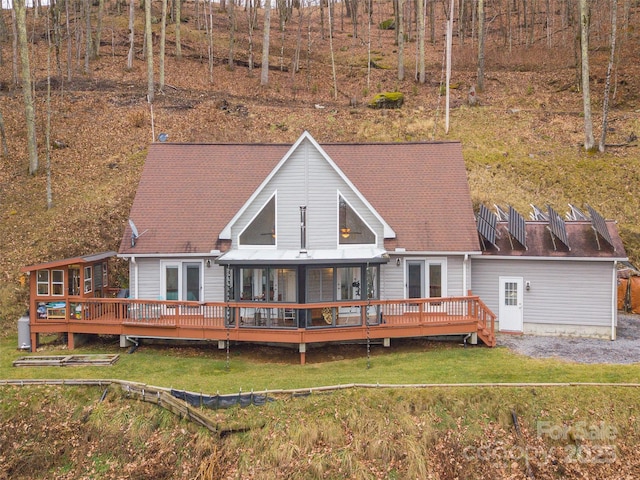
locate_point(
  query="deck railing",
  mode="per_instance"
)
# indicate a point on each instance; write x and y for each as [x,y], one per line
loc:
[260,314]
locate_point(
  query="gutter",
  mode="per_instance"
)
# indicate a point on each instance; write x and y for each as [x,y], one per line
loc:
[614,300]
[465,264]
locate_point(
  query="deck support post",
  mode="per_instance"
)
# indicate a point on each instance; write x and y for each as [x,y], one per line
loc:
[302,348]
[474,338]
[222,344]
[70,341]
[35,340]
[386,342]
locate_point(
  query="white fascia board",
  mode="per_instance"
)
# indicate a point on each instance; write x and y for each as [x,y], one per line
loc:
[168,255]
[430,254]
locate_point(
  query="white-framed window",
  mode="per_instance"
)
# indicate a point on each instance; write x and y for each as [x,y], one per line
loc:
[181,280]
[42,282]
[352,229]
[50,282]
[88,280]
[57,282]
[426,278]
[261,231]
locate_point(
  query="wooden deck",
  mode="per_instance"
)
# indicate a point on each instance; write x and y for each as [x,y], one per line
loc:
[262,322]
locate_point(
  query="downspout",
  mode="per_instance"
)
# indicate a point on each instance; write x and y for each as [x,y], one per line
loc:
[135,278]
[614,302]
[465,262]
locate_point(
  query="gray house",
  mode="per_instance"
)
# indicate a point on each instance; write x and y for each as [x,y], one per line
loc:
[309,243]
[549,276]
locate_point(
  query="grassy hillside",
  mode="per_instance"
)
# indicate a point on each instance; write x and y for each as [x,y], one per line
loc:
[571,432]
[522,144]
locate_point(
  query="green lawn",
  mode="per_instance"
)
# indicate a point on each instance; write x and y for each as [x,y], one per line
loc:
[204,368]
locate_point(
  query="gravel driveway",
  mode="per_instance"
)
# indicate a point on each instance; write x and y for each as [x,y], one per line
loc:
[626,349]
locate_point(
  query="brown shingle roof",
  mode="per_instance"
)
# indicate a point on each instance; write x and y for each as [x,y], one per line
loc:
[189,192]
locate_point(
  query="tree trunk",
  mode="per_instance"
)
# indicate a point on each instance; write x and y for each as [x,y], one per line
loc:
[177,31]
[333,62]
[264,74]
[589,141]
[47,132]
[448,66]
[400,28]
[69,43]
[148,50]
[57,35]
[250,8]
[25,70]
[163,37]
[481,32]
[421,27]
[232,32]
[607,85]
[96,44]
[131,36]
[88,49]
[210,37]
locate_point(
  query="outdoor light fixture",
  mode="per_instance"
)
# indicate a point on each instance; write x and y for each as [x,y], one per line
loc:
[208,262]
[528,285]
[398,261]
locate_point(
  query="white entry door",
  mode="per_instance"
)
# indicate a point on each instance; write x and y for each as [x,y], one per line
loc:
[510,315]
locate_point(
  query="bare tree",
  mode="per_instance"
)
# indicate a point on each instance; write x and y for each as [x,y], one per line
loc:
[177,31]
[25,74]
[149,49]
[421,27]
[232,32]
[163,37]
[88,49]
[209,25]
[589,141]
[607,86]
[252,12]
[96,44]
[481,32]
[131,36]
[69,43]
[264,74]
[47,131]
[333,61]
[400,29]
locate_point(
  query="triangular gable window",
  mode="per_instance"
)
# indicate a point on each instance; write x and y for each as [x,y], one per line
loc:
[351,228]
[262,229]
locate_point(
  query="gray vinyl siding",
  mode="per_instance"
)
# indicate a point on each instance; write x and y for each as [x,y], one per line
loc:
[392,284]
[392,280]
[213,283]
[562,292]
[455,277]
[307,179]
[149,279]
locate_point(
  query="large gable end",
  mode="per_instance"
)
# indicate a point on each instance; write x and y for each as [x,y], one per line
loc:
[305,140]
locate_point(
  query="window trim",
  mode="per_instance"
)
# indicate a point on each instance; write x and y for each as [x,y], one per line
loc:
[88,279]
[55,283]
[39,282]
[425,286]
